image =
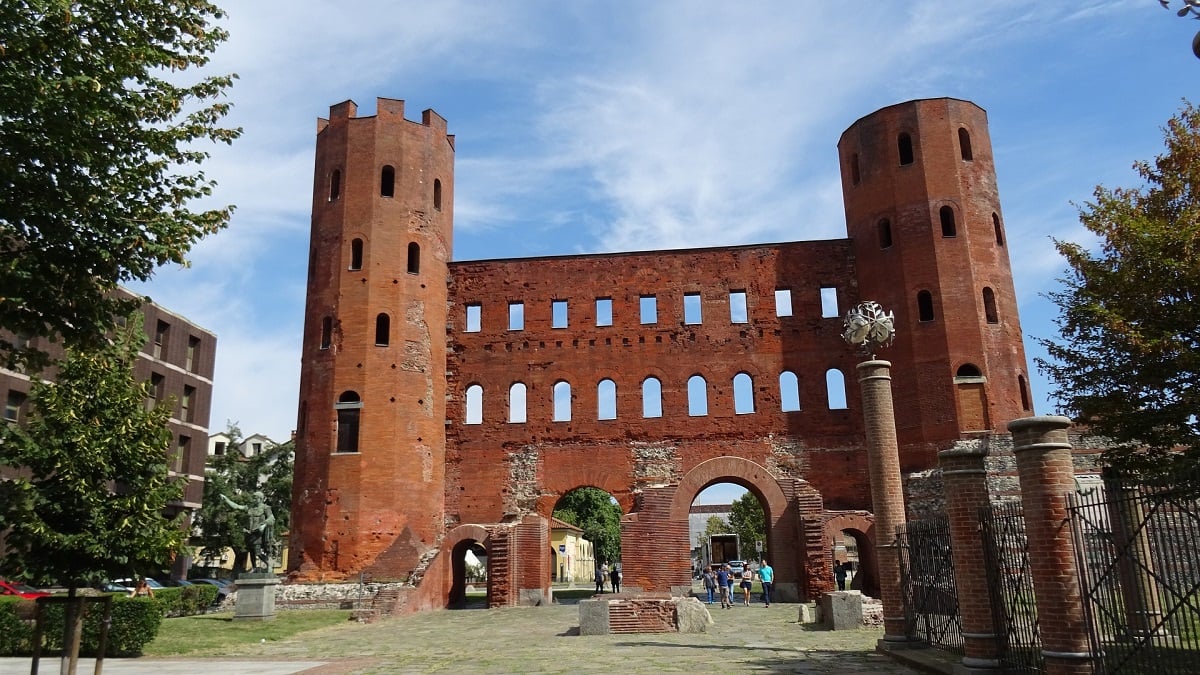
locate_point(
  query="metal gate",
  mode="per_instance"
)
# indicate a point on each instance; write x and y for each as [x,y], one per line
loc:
[1138,551]
[1010,582]
[931,613]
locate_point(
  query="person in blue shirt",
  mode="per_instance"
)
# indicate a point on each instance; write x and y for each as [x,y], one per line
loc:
[723,585]
[766,574]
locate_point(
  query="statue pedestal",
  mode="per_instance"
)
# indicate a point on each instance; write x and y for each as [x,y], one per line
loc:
[255,597]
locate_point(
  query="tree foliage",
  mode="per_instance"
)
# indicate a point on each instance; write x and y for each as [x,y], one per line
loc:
[714,525]
[217,526]
[1127,362]
[98,138]
[748,521]
[91,488]
[596,513]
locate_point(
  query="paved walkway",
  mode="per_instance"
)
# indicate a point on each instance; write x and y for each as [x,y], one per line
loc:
[751,639]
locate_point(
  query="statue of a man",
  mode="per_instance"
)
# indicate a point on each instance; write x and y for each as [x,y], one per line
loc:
[260,530]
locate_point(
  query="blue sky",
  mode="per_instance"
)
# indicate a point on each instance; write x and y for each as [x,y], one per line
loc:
[589,127]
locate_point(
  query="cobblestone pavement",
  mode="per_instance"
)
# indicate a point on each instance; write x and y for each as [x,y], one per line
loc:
[751,639]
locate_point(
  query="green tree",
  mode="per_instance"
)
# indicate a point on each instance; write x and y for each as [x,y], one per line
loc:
[714,525]
[747,519]
[89,485]
[219,527]
[98,138]
[596,513]
[1127,362]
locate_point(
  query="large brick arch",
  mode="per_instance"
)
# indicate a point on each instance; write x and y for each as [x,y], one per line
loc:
[748,474]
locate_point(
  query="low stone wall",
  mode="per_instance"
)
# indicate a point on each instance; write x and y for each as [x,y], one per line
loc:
[321,596]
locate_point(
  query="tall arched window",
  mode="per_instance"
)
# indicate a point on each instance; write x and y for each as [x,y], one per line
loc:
[968,370]
[885,233]
[606,400]
[905,145]
[946,214]
[789,391]
[326,332]
[651,397]
[437,194]
[743,394]
[383,324]
[335,184]
[999,231]
[989,305]
[474,405]
[1024,392]
[964,144]
[387,182]
[855,176]
[414,257]
[562,401]
[348,407]
[356,254]
[924,306]
[516,403]
[835,389]
[697,396]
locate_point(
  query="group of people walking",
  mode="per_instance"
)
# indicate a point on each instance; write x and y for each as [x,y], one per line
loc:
[719,580]
[613,576]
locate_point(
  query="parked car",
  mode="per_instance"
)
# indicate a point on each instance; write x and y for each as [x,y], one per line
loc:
[224,587]
[737,566]
[127,585]
[174,583]
[19,589]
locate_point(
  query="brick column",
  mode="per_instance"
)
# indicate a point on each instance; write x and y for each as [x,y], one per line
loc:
[887,491]
[1047,474]
[964,481]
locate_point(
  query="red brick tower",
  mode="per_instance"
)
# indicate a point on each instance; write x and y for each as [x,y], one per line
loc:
[370,446]
[923,214]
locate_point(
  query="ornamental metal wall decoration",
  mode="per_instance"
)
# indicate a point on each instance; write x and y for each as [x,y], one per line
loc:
[868,327]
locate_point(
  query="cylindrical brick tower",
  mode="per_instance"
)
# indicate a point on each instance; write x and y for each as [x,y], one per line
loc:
[370,442]
[923,214]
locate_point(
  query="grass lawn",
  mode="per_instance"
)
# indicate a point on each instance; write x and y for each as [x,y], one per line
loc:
[211,633]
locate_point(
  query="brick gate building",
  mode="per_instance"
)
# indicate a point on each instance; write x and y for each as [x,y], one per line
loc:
[450,403]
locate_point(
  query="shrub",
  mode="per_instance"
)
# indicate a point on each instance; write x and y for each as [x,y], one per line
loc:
[186,600]
[16,626]
[135,622]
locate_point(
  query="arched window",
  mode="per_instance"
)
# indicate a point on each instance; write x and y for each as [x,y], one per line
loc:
[562,401]
[964,144]
[835,389]
[947,216]
[1024,392]
[383,324]
[474,405]
[335,184]
[789,391]
[999,231]
[348,408]
[606,400]
[855,177]
[968,370]
[326,332]
[516,403]
[356,254]
[989,305]
[905,145]
[743,394]
[924,306]
[885,233]
[414,257]
[387,182]
[437,194]
[651,397]
[697,396]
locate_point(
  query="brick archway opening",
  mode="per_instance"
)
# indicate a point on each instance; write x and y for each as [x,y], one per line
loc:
[459,541]
[859,527]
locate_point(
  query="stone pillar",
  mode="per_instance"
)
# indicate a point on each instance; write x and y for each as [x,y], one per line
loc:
[1047,474]
[1135,564]
[964,481]
[887,491]
[255,597]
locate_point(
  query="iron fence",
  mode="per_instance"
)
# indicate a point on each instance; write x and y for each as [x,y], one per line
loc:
[1010,583]
[931,609]
[1138,551]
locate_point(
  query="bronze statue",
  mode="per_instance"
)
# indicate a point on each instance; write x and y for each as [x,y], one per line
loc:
[260,530]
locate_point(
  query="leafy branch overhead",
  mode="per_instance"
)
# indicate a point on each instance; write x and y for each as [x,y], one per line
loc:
[1127,363]
[100,141]
[1190,8]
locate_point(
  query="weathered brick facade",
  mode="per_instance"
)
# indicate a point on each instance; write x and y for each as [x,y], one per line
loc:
[428,418]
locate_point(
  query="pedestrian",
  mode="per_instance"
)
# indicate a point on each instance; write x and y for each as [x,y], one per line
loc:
[723,586]
[142,588]
[766,574]
[615,576]
[710,582]
[599,581]
[747,584]
[839,573]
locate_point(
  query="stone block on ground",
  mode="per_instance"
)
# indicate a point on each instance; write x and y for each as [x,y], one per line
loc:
[842,610]
[810,612]
[593,616]
[691,616]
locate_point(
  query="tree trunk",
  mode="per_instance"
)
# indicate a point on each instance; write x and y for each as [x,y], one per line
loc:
[72,631]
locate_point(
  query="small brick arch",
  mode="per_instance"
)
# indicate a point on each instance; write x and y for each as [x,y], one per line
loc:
[599,477]
[748,474]
[866,576]
[453,592]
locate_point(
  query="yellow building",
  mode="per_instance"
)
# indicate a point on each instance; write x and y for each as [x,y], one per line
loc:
[571,556]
